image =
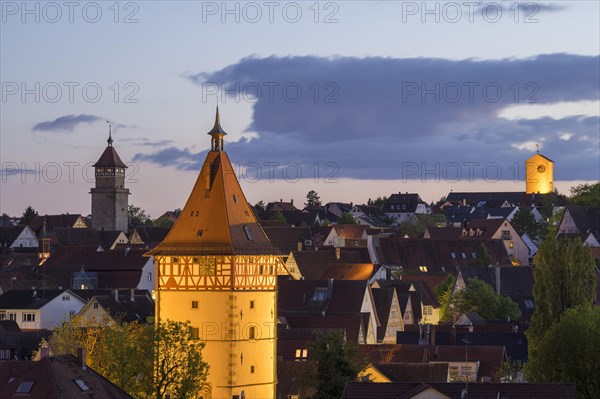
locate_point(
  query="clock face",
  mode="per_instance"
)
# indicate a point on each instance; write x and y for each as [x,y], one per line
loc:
[207,266]
[541,168]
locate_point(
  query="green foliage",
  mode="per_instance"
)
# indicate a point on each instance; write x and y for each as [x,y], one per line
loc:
[277,215]
[416,226]
[125,354]
[585,195]
[163,222]
[378,202]
[334,362]
[524,222]
[444,296]
[481,298]
[260,205]
[569,352]
[482,257]
[509,371]
[550,227]
[347,218]
[28,215]
[137,216]
[312,200]
[564,278]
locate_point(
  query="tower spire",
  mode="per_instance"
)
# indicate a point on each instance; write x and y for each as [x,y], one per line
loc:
[110,140]
[217,134]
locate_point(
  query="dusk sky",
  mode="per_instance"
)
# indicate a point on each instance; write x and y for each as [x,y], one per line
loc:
[354,99]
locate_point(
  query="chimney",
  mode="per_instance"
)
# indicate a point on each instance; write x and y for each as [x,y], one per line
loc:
[433,338]
[116,295]
[329,288]
[81,357]
[337,253]
[453,335]
[292,201]
[132,295]
[498,279]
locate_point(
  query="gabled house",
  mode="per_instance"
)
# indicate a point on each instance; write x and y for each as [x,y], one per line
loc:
[390,315]
[402,207]
[41,224]
[347,235]
[18,238]
[336,263]
[500,229]
[308,301]
[125,305]
[39,309]
[582,222]
[408,299]
[280,207]
[337,209]
[110,239]
[148,236]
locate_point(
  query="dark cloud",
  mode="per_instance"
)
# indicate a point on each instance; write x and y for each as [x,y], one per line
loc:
[388,113]
[147,142]
[67,122]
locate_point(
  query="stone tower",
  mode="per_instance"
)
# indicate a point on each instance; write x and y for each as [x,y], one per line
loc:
[217,269]
[539,175]
[109,196]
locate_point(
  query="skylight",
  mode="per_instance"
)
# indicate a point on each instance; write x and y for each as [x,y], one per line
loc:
[25,387]
[248,233]
[81,385]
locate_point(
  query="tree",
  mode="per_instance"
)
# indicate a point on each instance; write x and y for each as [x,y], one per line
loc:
[585,195]
[524,222]
[137,216]
[482,256]
[444,295]
[4,219]
[260,205]
[28,215]
[163,222]
[481,298]
[378,202]
[146,361]
[347,218]
[564,278]
[312,200]
[179,371]
[569,352]
[416,226]
[278,216]
[335,361]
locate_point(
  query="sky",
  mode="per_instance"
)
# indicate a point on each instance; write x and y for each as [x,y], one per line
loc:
[353,99]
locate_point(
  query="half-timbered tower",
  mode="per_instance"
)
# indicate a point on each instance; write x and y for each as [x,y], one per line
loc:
[217,269]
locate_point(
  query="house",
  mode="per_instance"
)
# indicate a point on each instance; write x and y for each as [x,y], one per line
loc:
[18,238]
[171,216]
[39,309]
[148,236]
[441,256]
[500,229]
[389,312]
[59,377]
[336,263]
[110,239]
[288,239]
[582,222]
[470,364]
[280,206]
[47,223]
[86,267]
[402,207]
[347,235]
[126,305]
[441,390]
[337,209]
[509,198]
[408,299]
[76,237]
[318,299]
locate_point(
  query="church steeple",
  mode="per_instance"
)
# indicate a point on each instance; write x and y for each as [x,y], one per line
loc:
[217,133]
[110,140]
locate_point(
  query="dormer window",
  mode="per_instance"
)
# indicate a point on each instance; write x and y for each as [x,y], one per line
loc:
[235,199]
[248,233]
[320,294]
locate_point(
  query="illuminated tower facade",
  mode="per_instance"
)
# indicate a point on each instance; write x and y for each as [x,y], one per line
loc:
[217,269]
[539,177]
[109,196]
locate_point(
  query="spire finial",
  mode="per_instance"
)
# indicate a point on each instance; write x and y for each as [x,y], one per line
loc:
[217,134]
[110,140]
[537,148]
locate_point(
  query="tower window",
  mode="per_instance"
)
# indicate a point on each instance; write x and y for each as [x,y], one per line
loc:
[252,332]
[195,333]
[248,233]
[251,304]
[194,304]
[251,369]
[199,233]
[235,199]
[175,259]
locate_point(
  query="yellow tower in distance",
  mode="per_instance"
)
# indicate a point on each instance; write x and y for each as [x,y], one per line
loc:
[539,175]
[217,269]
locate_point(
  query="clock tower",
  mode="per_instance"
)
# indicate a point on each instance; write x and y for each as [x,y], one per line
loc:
[539,175]
[109,196]
[217,269]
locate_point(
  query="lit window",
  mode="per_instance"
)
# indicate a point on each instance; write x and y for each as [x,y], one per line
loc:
[423,268]
[301,354]
[194,304]
[195,333]
[511,244]
[252,332]
[25,387]
[82,385]
[72,314]
[248,233]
